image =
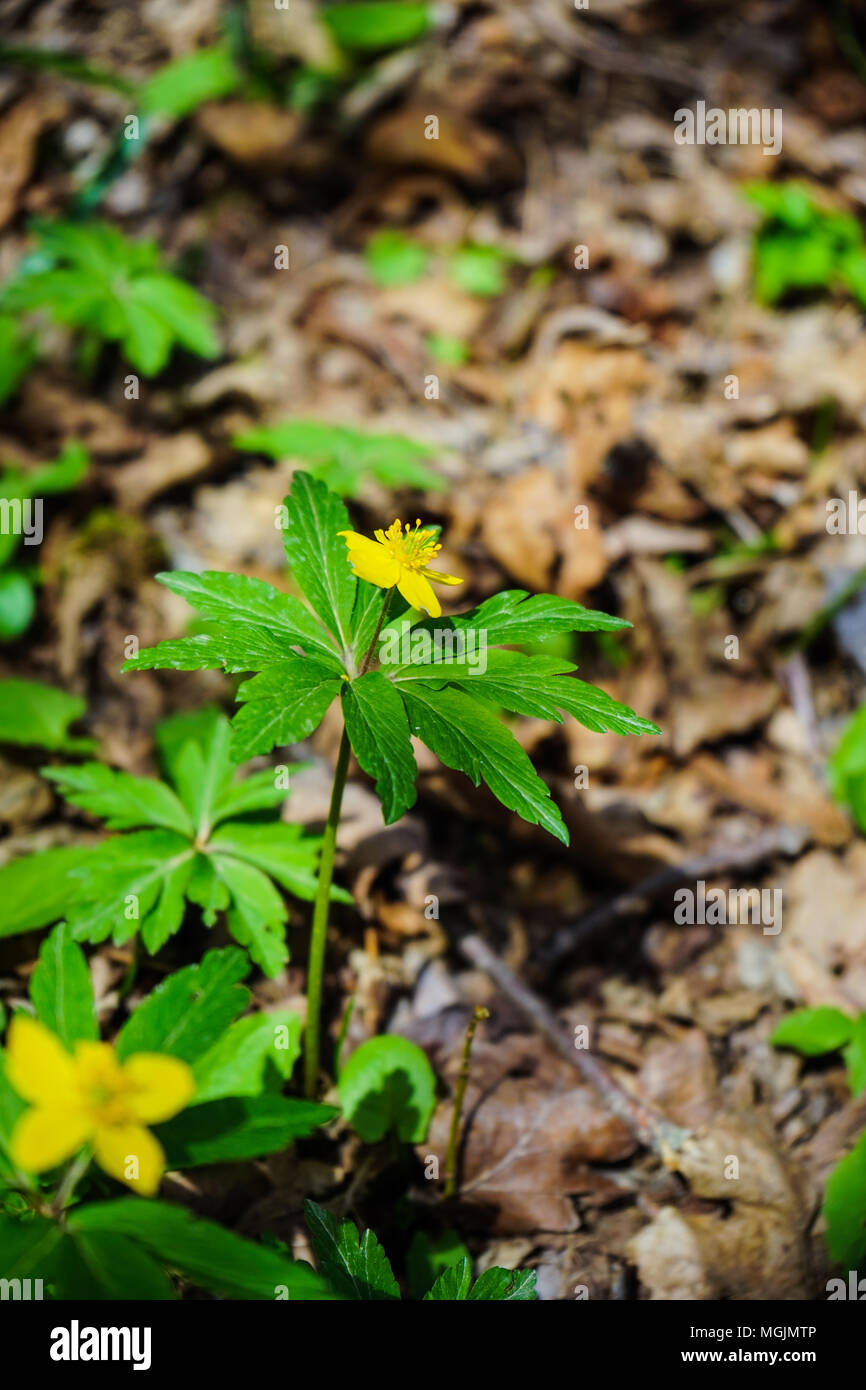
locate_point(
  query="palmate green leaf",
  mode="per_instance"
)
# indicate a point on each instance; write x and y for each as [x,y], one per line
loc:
[36,891]
[60,989]
[205,1254]
[238,1128]
[255,1054]
[258,792]
[537,686]
[81,1265]
[191,1009]
[844,1208]
[467,737]
[30,1248]
[344,458]
[239,599]
[90,277]
[206,889]
[257,914]
[33,713]
[356,1267]
[494,1285]
[100,1265]
[317,554]
[189,317]
[228,646]
[197,758]
[379,734]
[515,616]
[121,800]
[123,877]
[283,705]
[388,1085]
[282,851]
[167,915]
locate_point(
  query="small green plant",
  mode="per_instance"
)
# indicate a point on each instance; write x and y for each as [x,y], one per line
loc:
[186,1082]
[368,28]
[201,836]
[388,1086]
[363,640]
[17,355]
[181,86]
[20,497]
[847,768]
[393,257]
[35,714]
[816,1033]
[480,270]
[90,278]
[356,1267]
[343,458]
[802,246]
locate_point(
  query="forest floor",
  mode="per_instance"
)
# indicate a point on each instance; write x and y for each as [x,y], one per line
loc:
[603,387]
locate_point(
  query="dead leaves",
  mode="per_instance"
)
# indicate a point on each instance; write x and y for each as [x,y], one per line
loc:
[20,130]
[528,1140]
[753,1245]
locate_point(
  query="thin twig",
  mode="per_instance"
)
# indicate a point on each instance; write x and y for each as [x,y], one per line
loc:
[478,1016]
[787,840]
[649,1127]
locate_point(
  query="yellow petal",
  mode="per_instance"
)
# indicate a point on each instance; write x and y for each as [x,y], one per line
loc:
[97,1068]
[354,539]
[132,1155]
[373,563]
[417,592]
[160,1086]
[440,578]
[42,1138]
[37,1065]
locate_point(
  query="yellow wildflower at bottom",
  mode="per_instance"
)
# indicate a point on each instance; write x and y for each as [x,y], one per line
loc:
[91,1097]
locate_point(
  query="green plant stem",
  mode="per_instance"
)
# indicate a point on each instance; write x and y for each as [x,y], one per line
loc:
[319,929]
[321,902]
[71,1178]
[459,1097]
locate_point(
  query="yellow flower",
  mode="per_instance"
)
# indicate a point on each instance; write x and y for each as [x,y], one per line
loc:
[92,1097]
[395,559]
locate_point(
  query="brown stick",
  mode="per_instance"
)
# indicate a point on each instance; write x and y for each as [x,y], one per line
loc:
[649,1128]
[787,840]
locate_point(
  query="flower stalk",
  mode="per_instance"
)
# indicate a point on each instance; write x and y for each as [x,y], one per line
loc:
[478,1016]
[321,902]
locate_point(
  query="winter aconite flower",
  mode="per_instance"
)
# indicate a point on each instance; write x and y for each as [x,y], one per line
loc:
[396,559]
[91,1097]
